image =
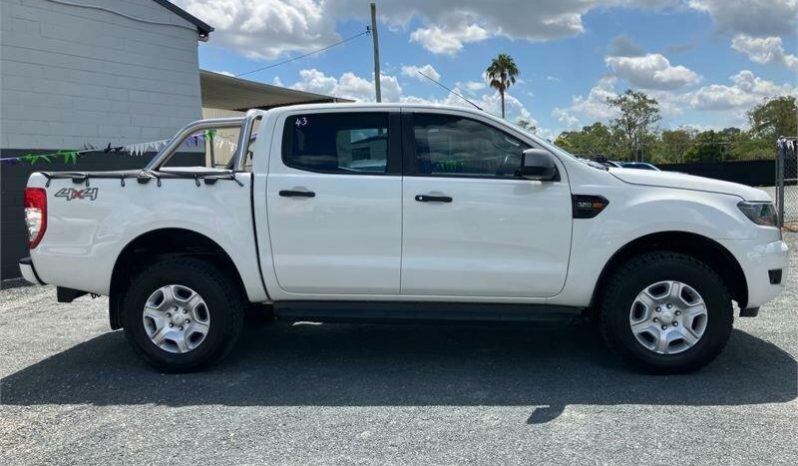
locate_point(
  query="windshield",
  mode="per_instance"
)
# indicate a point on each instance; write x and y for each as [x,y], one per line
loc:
[545,143]
[560,151]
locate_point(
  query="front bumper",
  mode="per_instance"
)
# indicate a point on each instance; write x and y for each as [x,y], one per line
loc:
[759,261]
[29,271]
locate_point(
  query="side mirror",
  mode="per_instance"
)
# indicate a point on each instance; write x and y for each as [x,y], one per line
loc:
[538,165]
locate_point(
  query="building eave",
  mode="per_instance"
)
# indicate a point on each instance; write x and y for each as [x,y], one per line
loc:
[203,28]
[225,92]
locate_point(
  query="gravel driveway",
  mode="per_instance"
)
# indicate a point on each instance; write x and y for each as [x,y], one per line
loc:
[73,392]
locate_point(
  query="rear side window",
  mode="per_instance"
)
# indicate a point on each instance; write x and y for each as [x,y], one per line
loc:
[337,142]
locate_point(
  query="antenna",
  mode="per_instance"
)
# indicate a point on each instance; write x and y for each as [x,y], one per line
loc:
[450,91]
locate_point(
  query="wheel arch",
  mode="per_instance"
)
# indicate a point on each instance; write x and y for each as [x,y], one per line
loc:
[152,245]
[701,247]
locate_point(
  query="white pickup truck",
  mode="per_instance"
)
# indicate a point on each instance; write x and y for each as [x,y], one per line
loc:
[393,212]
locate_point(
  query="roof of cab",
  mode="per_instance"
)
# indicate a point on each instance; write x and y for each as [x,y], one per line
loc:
[382,105]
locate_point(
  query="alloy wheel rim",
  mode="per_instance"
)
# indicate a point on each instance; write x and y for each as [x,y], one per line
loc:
[176,318]
[668,317]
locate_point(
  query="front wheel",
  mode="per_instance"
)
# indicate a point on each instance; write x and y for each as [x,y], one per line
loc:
[666,312]
[182,314]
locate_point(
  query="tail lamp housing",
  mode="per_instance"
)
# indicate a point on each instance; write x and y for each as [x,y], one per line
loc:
[35,215]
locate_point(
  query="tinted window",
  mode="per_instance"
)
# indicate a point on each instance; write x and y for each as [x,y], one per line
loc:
[454,146]
[337,142]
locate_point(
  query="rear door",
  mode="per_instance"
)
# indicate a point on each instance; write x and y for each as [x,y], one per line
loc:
[334,198]
[470,227]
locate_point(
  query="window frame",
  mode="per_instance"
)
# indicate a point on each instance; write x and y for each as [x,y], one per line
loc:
[393,162]
[410,161]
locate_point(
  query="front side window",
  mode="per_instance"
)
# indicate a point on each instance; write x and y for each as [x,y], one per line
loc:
[449,145]
[337,142]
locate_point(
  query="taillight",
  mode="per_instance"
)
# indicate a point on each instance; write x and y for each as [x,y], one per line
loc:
[35,214]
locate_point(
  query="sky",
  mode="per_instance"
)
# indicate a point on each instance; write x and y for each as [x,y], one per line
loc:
[705,61]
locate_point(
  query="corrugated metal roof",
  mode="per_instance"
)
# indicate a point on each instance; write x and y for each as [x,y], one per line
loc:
[230,93]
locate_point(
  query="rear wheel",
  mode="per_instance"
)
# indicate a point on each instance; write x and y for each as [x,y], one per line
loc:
[666,312]
[182,314]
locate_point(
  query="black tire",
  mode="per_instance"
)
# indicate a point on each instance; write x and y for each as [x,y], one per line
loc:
[225,305]
[620,291]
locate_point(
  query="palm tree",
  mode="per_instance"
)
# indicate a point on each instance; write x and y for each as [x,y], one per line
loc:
[501,73]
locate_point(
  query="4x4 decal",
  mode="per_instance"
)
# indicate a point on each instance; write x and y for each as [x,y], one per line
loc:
[72,193]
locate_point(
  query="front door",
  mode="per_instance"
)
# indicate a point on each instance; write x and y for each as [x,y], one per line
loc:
[470,227]
[334,203]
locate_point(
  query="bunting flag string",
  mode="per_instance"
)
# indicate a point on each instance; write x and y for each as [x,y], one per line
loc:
[138,149]
[144,147]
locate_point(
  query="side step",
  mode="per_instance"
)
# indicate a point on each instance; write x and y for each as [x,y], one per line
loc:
[400,311]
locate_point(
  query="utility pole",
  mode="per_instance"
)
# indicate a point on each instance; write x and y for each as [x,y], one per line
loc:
[376,42]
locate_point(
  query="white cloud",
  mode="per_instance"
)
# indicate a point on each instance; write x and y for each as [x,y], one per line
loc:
[226,73]
[264,29]
[413,70]
[760,18]
[652,71]
[746,91]
[450,41]
[348,86]
[473,86]
[585,110]
[670,103]
[726,104]
[267,28]
[764,50]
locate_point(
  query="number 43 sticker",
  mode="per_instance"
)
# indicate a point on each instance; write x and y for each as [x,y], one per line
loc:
[301,121]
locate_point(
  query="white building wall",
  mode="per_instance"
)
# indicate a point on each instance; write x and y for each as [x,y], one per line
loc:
[71,76]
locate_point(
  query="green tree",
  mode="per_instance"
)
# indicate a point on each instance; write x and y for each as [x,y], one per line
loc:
[596,139]
[501,74]
[672,145]
[750,148]
[527,125]
[708,146]
[732,134]
[773,118]
[638,113]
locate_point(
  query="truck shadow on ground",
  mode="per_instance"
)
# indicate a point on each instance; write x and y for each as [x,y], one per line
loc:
[545,368]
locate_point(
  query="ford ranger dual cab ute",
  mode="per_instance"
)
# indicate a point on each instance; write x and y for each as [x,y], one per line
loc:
[346,212]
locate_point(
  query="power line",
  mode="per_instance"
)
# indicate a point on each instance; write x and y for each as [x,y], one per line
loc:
[341,42]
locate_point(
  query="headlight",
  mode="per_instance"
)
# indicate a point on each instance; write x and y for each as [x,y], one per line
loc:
[761,213]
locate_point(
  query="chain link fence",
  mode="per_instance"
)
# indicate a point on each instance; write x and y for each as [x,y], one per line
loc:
[786,185]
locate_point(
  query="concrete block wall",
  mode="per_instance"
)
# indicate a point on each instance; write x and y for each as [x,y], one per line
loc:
[71,76]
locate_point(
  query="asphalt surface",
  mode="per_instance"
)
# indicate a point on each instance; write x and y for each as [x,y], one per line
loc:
[72,392]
